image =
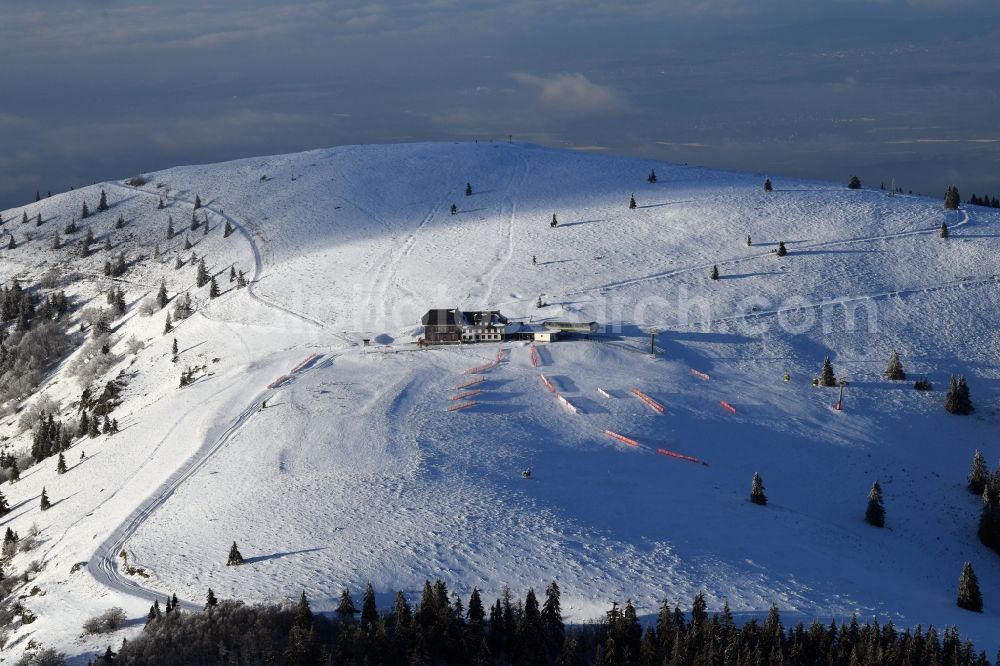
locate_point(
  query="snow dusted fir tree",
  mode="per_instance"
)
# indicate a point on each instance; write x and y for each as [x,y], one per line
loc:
[944,230]
[757,495]
[894,371]
[631,201]
[767,185]
[103,203]
[969,596]
[781,251]
[44,504]
[651,178]
[202,278]
[715,272]
[826,376]
[875,513]
[210,600]
[979,476]
[161,296]
[235,558]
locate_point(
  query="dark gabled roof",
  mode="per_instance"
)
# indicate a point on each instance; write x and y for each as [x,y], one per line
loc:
[484,318]
[441,318]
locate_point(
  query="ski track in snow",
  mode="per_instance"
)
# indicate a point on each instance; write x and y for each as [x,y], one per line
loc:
[511,203]
[245,230]
[103,566]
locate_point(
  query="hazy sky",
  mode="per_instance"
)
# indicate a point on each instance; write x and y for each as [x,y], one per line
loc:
[92,90]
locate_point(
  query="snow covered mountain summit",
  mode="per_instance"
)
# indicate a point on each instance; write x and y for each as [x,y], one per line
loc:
[357,469]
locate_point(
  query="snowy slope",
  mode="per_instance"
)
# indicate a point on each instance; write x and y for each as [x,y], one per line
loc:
[356,472]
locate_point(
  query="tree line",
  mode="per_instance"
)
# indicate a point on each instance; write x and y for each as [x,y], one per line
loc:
[441,629]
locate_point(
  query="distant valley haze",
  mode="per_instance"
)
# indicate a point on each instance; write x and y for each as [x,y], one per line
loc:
[885,89]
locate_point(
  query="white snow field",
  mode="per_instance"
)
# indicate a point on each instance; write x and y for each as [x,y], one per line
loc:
[357,472]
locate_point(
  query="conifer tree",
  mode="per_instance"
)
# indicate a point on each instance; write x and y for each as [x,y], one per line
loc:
[554,222]
[213,290]
[173,348]
[345,609]
[369,612]
[187,243]
[84,212]
[468,189]
[153,614]
[767,185]
[235,558]
[757,495]
[197,202]
[969,596]
[476,614]
[210,600]
[875,513]
[202,278]
[958,401]
[167,326]
[782,251]
[951,198]
[170,227]
[227,230]
[894,370]
[120,222]
[303,613]
[715,272]
[944,230]
[854,183]
[241,280]
[61,464]
[826,376]
[552,613]
[24,217]
[4,506]
[103,204]
[56,241]
[232,273]
[14,472]
[204,228]
[161,296]
[38,220]
[159,206]
[631,201]
[12,244]
[45,505]
[979,476]
[651,178]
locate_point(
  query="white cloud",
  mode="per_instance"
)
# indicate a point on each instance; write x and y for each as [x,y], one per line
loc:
[571,93]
